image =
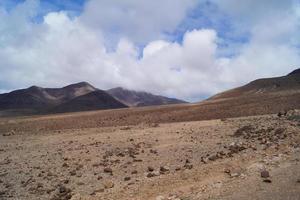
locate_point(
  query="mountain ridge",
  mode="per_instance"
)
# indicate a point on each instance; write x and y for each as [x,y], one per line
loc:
[80,96]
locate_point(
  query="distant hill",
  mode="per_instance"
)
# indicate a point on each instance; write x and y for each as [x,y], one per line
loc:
[137,98]
[285,85]
[38,100]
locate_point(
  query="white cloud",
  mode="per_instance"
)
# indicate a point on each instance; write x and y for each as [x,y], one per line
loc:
[140,21]
[273,46]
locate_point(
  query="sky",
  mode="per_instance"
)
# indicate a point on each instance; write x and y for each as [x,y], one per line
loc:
[187,49]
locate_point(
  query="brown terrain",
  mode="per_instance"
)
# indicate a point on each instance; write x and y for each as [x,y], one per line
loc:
[241,144]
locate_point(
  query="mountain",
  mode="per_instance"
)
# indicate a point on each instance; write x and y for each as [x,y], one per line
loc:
[285,85]
[44,100]
[135,98]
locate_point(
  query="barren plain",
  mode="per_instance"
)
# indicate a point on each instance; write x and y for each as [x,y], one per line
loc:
[74,156]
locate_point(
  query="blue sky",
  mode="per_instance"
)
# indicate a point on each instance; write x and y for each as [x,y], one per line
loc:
[49,5]
[214,45]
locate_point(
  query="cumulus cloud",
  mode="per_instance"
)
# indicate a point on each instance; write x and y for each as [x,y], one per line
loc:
[63,49]
[140,21]
[273,46]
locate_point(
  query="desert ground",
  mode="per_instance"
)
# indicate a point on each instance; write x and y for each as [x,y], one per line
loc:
[93,156]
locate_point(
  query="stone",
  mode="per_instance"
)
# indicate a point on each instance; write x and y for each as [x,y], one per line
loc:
[282,113]
[188,166]
[65,165]
[204,160]
[160,198]
[150,169]
[134,172]
[164,169]
[73,173]
[108,184]
[267,181]
[62,193]
[152,174]
[264,174]
[213,157]
[127,178]
[108,170]
[100,190]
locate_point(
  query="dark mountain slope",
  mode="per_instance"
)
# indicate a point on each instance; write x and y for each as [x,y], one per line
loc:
[37,100]
[92,101]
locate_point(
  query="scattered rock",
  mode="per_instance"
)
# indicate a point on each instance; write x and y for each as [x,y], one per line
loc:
[73,172]
[8,133]
[108,170]
[212,157]
[152,174]
[65,165]
[134,172]
[267,181]
[2,193]
[243,130]
[80,183]
[101,190]
[282,113]
[164,169]
[233,173]
[127,178]
[62,193]
[264,174]
[188,164]
[150,169]
[204,160]
[108,184]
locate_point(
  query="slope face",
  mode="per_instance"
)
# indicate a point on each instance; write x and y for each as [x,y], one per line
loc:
[135,98]
[297,71]
[92,101]
[38,98]
[279,85]
[31,98]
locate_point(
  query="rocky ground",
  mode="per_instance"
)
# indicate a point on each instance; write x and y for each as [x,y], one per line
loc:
[239,158]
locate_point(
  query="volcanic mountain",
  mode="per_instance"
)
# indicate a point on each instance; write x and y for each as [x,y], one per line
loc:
[138,98]
[76,97]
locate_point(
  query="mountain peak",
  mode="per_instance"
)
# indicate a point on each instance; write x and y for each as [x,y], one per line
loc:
[34,87]
[296,71]
[79,85]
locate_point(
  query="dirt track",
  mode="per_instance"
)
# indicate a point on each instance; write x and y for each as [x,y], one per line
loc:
[183,160]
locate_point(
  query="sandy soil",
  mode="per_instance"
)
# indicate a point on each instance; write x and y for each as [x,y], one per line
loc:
[43,158]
